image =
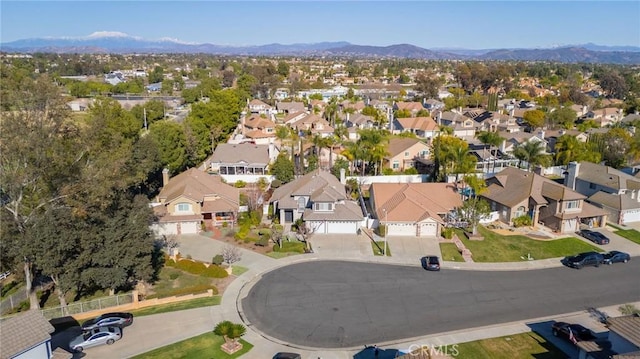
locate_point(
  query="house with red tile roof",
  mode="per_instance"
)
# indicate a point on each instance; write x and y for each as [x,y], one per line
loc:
[259,129]
[402,153]
[423,127]
[413,209]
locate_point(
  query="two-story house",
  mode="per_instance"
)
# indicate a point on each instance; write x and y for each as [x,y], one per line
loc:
[412,107]
[260,108]
[314,124]
[614,191]
[402,153]
[320,200]
[290,107]
[260,130]
[605,116]
[433,105]
[463,126]
[191,198]
[241,161]
[513,193]
[423,127]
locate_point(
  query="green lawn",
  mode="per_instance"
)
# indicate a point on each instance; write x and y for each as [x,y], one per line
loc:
[173,281]
[378,248]
[630,234]
[450,252]
[204,346]
[238,270]
[500,248]
[173,307]
[519,346]
[288,248]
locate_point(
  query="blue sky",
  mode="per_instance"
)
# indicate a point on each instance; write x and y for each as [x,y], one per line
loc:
[428,24]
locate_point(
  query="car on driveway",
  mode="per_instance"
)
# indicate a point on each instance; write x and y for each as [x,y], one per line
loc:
[95,337]
[583,260]
[595,237]
[430,263]
[119,320]
[616,257]
[572,332]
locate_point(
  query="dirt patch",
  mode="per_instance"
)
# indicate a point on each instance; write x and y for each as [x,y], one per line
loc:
[251,246]
[223,283]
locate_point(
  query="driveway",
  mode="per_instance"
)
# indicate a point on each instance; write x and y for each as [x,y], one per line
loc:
[409,250]
[615,242]
[331,304]
[342,246]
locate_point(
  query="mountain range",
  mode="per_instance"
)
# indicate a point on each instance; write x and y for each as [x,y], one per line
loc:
[115,42]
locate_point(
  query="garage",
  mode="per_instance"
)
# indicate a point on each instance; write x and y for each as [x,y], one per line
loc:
[630,216]
[401,229]
[428,229]
[168,228]
[331,227]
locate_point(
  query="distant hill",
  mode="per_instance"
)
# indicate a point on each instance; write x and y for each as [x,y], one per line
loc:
[115,42]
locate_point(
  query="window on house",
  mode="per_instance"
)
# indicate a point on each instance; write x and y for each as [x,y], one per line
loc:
[183,207]
[592,185]
[406,153]
[520,211]
[323,206]
[395,165]
[572,205]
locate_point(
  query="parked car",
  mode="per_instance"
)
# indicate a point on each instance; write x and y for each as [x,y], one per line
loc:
[595,237]
[567,331]
[616,257]
[430,263]
[283,355]
[97,336]
[583,259]
[119,320]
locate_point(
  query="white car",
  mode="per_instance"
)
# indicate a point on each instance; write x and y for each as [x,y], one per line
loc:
[98,336]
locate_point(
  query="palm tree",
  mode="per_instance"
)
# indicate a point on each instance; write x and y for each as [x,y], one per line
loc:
[533,152]
[567,149]
[282,134]
[492,139]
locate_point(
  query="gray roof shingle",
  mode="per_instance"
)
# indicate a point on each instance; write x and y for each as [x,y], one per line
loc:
[23,332]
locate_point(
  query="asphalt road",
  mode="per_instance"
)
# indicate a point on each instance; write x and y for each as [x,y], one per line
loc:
[331,304]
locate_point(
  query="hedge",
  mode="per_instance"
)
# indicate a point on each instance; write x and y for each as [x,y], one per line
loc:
[196,289]
[199,268]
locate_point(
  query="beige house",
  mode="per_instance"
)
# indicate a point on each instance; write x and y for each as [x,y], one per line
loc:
[413,209]
[192,198]
[261,130]
[513,193]
[403,153]
[423,127]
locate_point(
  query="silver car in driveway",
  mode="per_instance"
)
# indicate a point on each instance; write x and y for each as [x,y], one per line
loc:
[94,337]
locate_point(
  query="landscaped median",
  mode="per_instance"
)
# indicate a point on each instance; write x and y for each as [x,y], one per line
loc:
[516,248]
[204,346]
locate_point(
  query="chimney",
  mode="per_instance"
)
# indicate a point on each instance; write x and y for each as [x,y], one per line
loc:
[512,112]
[271,151]
[165,177]
[343,178]
[572,172]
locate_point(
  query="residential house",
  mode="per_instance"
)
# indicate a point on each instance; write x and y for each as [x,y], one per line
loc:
[423,127]
[631,118]
[513,193]
[320,199]
[290,107]
[114,77]
[25,336]
[191,198]
[605,116]
[552,136]
[402,153]
[412,107]
[463,126]
[80,104]
[623,341]
[258,107]
[293,117]
[359,121]
[614,191]
[281,94]
[413,209]
[357,106]
[580,110]
[249,160]
[314,124]
[155,87]
[260,130]
[433,105]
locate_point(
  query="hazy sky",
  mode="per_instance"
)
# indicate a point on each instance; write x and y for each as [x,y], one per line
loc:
[428,24]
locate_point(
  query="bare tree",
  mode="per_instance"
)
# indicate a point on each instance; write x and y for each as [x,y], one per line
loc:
[231,254]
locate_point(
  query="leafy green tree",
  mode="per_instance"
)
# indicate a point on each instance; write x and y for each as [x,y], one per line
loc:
[532,152]
[564,116]
[283,168]
[154,110]
[404,113]
[492,139]
[475,207]
[283,69]
[534,118]
[569,149]
[171,142]
[423,113]
[340,163]
[157,75]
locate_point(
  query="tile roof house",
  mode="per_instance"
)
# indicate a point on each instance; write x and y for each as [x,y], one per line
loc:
[314,124]
[191,198]
[463,126]
[261,130]
[413,209]
[605,116]
[359,121]
[26,335]
[290,107]
[402,153]
[243,161]
[258,107]
[513,193]
[615,191]
[412,107]
[423,127]
[321,201]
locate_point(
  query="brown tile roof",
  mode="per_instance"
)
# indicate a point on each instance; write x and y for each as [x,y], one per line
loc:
[627,327]
[242,152]
[418,123]
[23,332]
[259,134]
[398,145]
[291,107]
[256,102]
[257,122]
[607,176]
[616,201]
[196,184]
[414,202]
[411,106]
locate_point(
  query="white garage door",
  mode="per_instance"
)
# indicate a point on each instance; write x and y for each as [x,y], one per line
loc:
[402,230]
[341,227]
[316,227]
[188,227]
[164,229]
[428,229]
[631,216]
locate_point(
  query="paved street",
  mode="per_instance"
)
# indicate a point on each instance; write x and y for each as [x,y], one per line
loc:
[343,304]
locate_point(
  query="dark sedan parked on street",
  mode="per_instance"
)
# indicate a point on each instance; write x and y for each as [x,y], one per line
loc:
[595,237]
[430,263]
[616,257]
[119,320]
[583,259]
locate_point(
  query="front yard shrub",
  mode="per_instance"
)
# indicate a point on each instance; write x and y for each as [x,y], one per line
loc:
[214,271]
[243,232]
[174,276]
[447,233]
[240,184]
[263,241]
[522,221]
[195,289]
[217,259]
[190,266]
[382,230]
